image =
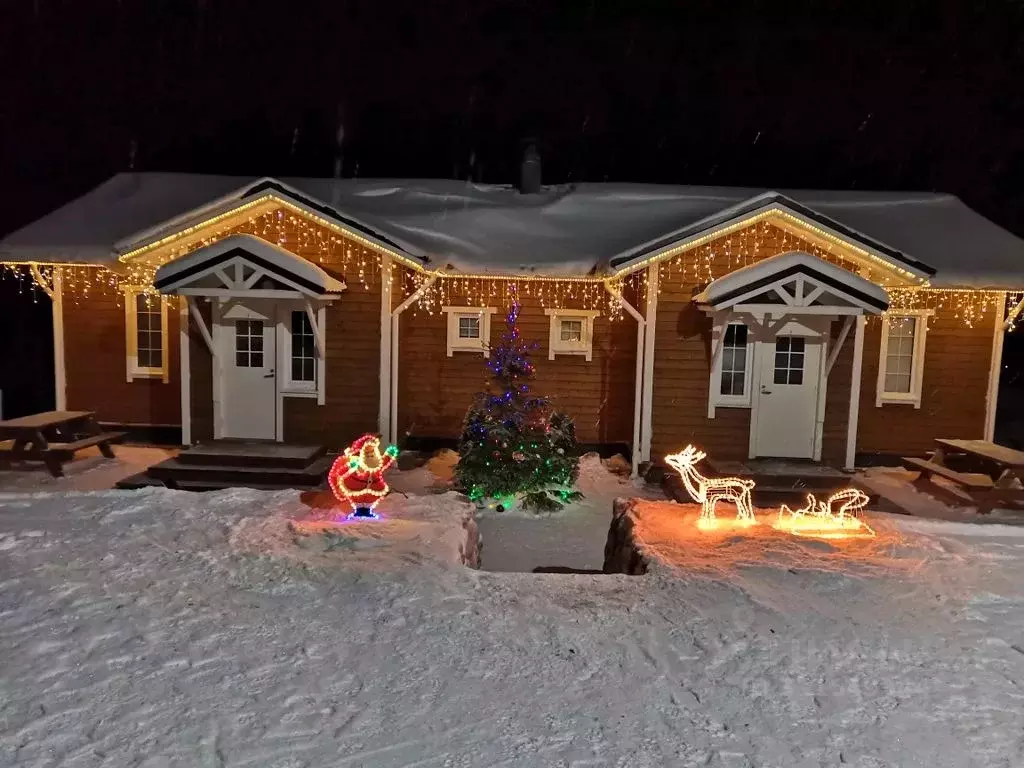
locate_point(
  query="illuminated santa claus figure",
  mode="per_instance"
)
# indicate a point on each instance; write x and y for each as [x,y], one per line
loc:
[357,476]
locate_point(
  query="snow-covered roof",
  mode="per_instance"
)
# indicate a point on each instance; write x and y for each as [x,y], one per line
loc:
[565,230]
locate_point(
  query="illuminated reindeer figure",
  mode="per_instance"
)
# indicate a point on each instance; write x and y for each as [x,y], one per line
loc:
[821,515]
[708,491]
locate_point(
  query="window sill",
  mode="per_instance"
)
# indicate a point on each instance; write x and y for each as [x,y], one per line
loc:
[473,350]
[913,401]
[148,373]
[731,405]
[304,393]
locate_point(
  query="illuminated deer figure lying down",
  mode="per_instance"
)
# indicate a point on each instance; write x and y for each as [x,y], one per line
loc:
[821,519]
[708,491]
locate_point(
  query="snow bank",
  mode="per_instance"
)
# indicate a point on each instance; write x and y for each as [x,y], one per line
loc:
[437,529]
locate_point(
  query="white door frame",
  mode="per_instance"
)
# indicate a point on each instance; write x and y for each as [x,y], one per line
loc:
[222,333]
[765,333]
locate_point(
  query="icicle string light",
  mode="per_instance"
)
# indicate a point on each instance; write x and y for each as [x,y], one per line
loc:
[359,261]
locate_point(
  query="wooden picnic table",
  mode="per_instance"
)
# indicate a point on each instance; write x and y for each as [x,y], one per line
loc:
[53,437]
[1005,467]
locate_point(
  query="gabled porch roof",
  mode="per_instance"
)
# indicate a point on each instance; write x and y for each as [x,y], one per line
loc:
[795,283]
[245,265]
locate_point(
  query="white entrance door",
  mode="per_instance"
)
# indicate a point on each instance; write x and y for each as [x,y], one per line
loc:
[248,394]
[787,396]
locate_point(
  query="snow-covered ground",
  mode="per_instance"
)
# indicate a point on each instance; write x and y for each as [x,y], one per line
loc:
[135,632]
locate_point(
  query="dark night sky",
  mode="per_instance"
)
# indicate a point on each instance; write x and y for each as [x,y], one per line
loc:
[890,94]
[886,95]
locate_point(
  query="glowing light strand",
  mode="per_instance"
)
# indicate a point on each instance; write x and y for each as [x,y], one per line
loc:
[708,491]
[357,475]
[820,519]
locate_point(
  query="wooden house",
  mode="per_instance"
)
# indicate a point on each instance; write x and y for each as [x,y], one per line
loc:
[757,323]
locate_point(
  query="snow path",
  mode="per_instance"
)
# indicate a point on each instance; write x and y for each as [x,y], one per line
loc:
[130,635]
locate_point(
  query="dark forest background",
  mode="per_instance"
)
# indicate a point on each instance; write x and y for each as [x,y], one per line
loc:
[919,95]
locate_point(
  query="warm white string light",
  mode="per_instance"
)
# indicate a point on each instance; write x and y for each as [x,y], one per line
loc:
[708,491]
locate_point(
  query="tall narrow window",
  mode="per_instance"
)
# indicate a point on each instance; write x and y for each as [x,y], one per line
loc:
[901,358]
[149,332]
[145,319]
[303,348]
[734,360]
[732,349]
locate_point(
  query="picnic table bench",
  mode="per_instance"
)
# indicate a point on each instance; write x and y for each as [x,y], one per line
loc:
[1005,467]
[53,437]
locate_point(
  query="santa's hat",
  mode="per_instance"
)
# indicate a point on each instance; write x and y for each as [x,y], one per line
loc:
[368,437]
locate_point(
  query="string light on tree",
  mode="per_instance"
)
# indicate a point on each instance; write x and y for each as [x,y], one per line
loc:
[513,446]
[708,491]
[357,475]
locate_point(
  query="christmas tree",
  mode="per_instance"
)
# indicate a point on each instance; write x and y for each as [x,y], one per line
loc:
[513,444]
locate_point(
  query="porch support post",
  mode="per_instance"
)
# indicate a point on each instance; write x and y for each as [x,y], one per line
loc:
[54,289]
[384,399]
[638,375]
[992,395]
[185,371]
[648,369]
[60,381]
[416,295]
[855,377]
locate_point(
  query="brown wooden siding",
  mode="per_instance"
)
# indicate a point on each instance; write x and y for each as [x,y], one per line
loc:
[353,374]
[95,349]
[436,390]
[954,387]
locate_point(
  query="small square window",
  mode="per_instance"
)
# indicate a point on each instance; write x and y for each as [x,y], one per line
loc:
[572,330]
[571,333]
[469,329]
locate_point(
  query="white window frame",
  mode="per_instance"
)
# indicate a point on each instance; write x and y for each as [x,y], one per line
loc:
[288,386]
[131,324]
[913,397]
[715,396]
[478,345]
[585,346]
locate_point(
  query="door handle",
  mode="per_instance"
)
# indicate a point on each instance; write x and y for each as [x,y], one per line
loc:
[271,375]
[765,391]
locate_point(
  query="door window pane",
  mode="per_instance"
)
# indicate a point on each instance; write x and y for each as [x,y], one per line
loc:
[249,343]
[789,360]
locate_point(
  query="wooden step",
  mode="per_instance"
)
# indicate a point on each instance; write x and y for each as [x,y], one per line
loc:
[206,486]
[221,453]
[141,480]
[174,472]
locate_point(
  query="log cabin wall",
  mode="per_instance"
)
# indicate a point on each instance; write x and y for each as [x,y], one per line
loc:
[95,354]
[954,387]
[436,390]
